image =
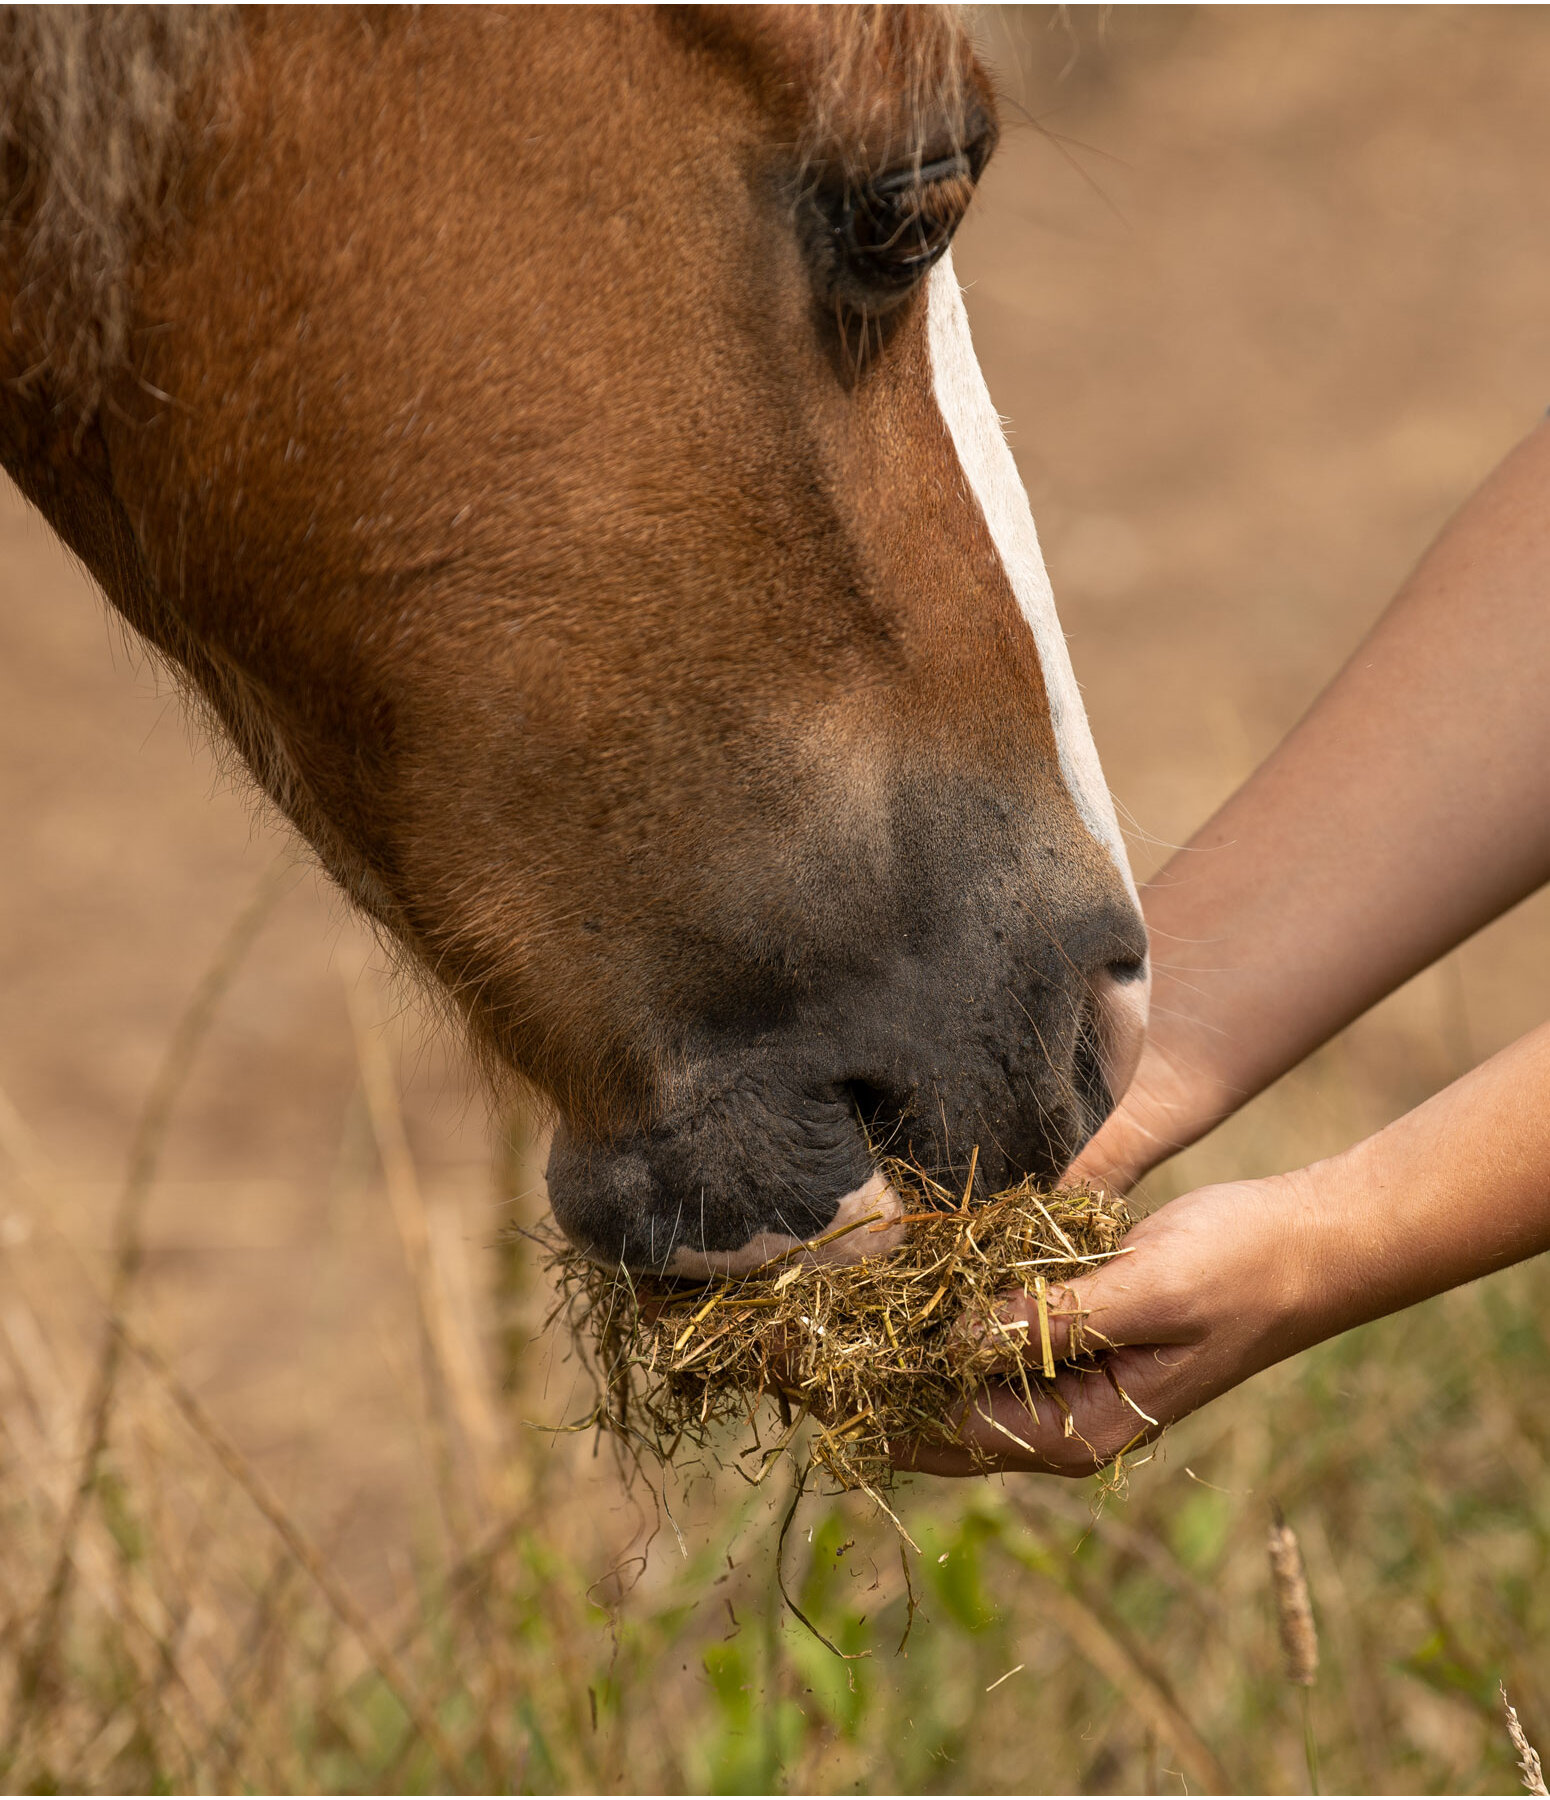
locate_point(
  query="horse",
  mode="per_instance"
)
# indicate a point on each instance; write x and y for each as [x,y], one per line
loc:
[549,447]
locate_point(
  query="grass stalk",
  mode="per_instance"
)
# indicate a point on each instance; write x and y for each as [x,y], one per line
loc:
[29,1695]
[1100,1643]
[394,1677]
[459,1390]
[1530,1769]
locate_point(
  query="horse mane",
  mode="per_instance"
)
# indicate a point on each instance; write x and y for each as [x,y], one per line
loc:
[94,105]
[99,106]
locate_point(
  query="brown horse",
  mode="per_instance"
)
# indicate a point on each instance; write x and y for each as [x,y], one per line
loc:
[550,445]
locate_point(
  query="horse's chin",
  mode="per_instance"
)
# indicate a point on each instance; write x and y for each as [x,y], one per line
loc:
[868,1222]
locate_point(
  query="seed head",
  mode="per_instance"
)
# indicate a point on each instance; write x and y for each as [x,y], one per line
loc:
[1294,1610]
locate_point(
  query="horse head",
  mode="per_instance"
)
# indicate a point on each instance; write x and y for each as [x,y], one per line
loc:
[551,445]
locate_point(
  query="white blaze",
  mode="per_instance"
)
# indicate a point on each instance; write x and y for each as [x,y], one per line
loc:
[975,428]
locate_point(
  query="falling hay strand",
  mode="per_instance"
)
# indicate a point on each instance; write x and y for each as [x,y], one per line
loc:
[871,1355]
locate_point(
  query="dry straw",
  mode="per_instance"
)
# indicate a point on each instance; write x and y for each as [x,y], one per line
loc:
[874,1354]
[1529,1767]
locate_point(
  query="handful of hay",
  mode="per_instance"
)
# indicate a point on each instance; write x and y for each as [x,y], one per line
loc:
[876,1353]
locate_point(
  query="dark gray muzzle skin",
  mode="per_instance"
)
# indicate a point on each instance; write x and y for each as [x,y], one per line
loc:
[982,1037]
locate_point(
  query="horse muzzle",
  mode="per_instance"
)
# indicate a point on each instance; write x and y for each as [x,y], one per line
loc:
[766,1146]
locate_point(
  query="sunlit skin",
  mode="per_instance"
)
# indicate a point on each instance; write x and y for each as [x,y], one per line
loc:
[1409,808]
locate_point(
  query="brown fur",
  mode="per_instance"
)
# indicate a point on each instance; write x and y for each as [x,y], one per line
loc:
[102,108]
[473,440]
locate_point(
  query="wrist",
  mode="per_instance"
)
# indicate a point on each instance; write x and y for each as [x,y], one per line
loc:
[1319,1263]
[1347,1246]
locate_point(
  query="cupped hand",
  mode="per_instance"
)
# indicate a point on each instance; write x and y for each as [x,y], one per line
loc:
[1206,1291]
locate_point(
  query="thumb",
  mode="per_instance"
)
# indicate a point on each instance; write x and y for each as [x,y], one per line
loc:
[1112,1307]
[1148,1126]
[1103,1162]
[1116,1159]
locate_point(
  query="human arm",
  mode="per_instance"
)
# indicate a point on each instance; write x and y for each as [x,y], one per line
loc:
[1409,807]
[1227,1280]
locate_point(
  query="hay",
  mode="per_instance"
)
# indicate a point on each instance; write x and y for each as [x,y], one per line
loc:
[876,1354]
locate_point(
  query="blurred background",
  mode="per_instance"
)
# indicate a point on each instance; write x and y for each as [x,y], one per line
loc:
[1263,293]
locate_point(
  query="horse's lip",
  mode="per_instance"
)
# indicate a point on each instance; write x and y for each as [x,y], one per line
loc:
[868,1222]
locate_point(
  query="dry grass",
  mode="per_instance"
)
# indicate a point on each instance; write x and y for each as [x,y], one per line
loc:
[206,1637]
[876,1353]
[1530,1769]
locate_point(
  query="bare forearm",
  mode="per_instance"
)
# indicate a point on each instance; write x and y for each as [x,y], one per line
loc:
[1409,807]
[1224,1281]
[1449,1192]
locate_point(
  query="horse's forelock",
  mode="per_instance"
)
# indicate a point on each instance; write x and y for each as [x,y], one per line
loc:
[896,82]
[861,86]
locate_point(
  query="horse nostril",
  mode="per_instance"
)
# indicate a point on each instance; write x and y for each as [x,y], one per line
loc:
[881,1116]
[1116,1018]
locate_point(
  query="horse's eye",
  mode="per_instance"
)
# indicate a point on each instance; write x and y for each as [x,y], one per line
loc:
[888,232]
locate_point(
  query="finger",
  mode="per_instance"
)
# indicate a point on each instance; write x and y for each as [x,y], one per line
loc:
[1079,1428]
[1134,1300]
[1062,1324]
[1022,1331]
[1095,1167]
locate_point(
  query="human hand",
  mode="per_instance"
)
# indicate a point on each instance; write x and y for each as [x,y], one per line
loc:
[1207,1291]
[1172,1100]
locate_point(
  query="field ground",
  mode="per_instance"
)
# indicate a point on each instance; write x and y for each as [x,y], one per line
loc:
[1263,293]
